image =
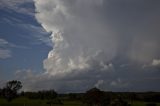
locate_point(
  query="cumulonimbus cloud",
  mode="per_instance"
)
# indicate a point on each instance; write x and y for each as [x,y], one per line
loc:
[76,33]
[90,37]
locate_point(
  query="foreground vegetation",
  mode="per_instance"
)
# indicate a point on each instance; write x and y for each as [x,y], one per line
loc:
[9,96]
[38,102]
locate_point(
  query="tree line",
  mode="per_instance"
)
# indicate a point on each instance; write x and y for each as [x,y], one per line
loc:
[92,97]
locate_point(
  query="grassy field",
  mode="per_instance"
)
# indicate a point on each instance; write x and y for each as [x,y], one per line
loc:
[137,103]
[29,102]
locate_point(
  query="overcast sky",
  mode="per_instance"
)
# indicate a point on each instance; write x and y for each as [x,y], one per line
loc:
[74,45]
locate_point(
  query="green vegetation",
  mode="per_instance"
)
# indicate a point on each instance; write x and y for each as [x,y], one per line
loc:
[29,102]
[93,97]
[9,92]
[37,102]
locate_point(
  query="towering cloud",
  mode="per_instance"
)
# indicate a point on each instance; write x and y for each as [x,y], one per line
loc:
[92,39]
[81,37]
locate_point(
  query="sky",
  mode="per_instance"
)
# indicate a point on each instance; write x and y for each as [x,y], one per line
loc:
[75,45]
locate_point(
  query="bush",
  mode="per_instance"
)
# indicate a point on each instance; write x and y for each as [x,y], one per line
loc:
[151,104]
[95,97]
[54,101]
[119,102]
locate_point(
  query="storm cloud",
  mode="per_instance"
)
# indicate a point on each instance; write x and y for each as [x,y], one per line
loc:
[102,43]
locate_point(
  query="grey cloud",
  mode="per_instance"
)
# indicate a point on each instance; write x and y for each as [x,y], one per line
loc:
[93,39]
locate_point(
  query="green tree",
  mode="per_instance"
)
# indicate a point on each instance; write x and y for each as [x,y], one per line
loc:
[11,89]
[119,101]
[94,97]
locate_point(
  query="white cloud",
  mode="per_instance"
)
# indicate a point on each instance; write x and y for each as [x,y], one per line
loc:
[156,62]
[6,44]
[16,5]
[38,33]
[5,54]
[89,36]
[73,51]
[5,51]
[3,42]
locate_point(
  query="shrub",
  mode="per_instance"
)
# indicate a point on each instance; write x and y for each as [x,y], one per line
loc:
[151,104]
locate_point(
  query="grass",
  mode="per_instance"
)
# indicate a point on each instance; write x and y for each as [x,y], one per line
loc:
[32,102]
[36,102]
[139,103]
